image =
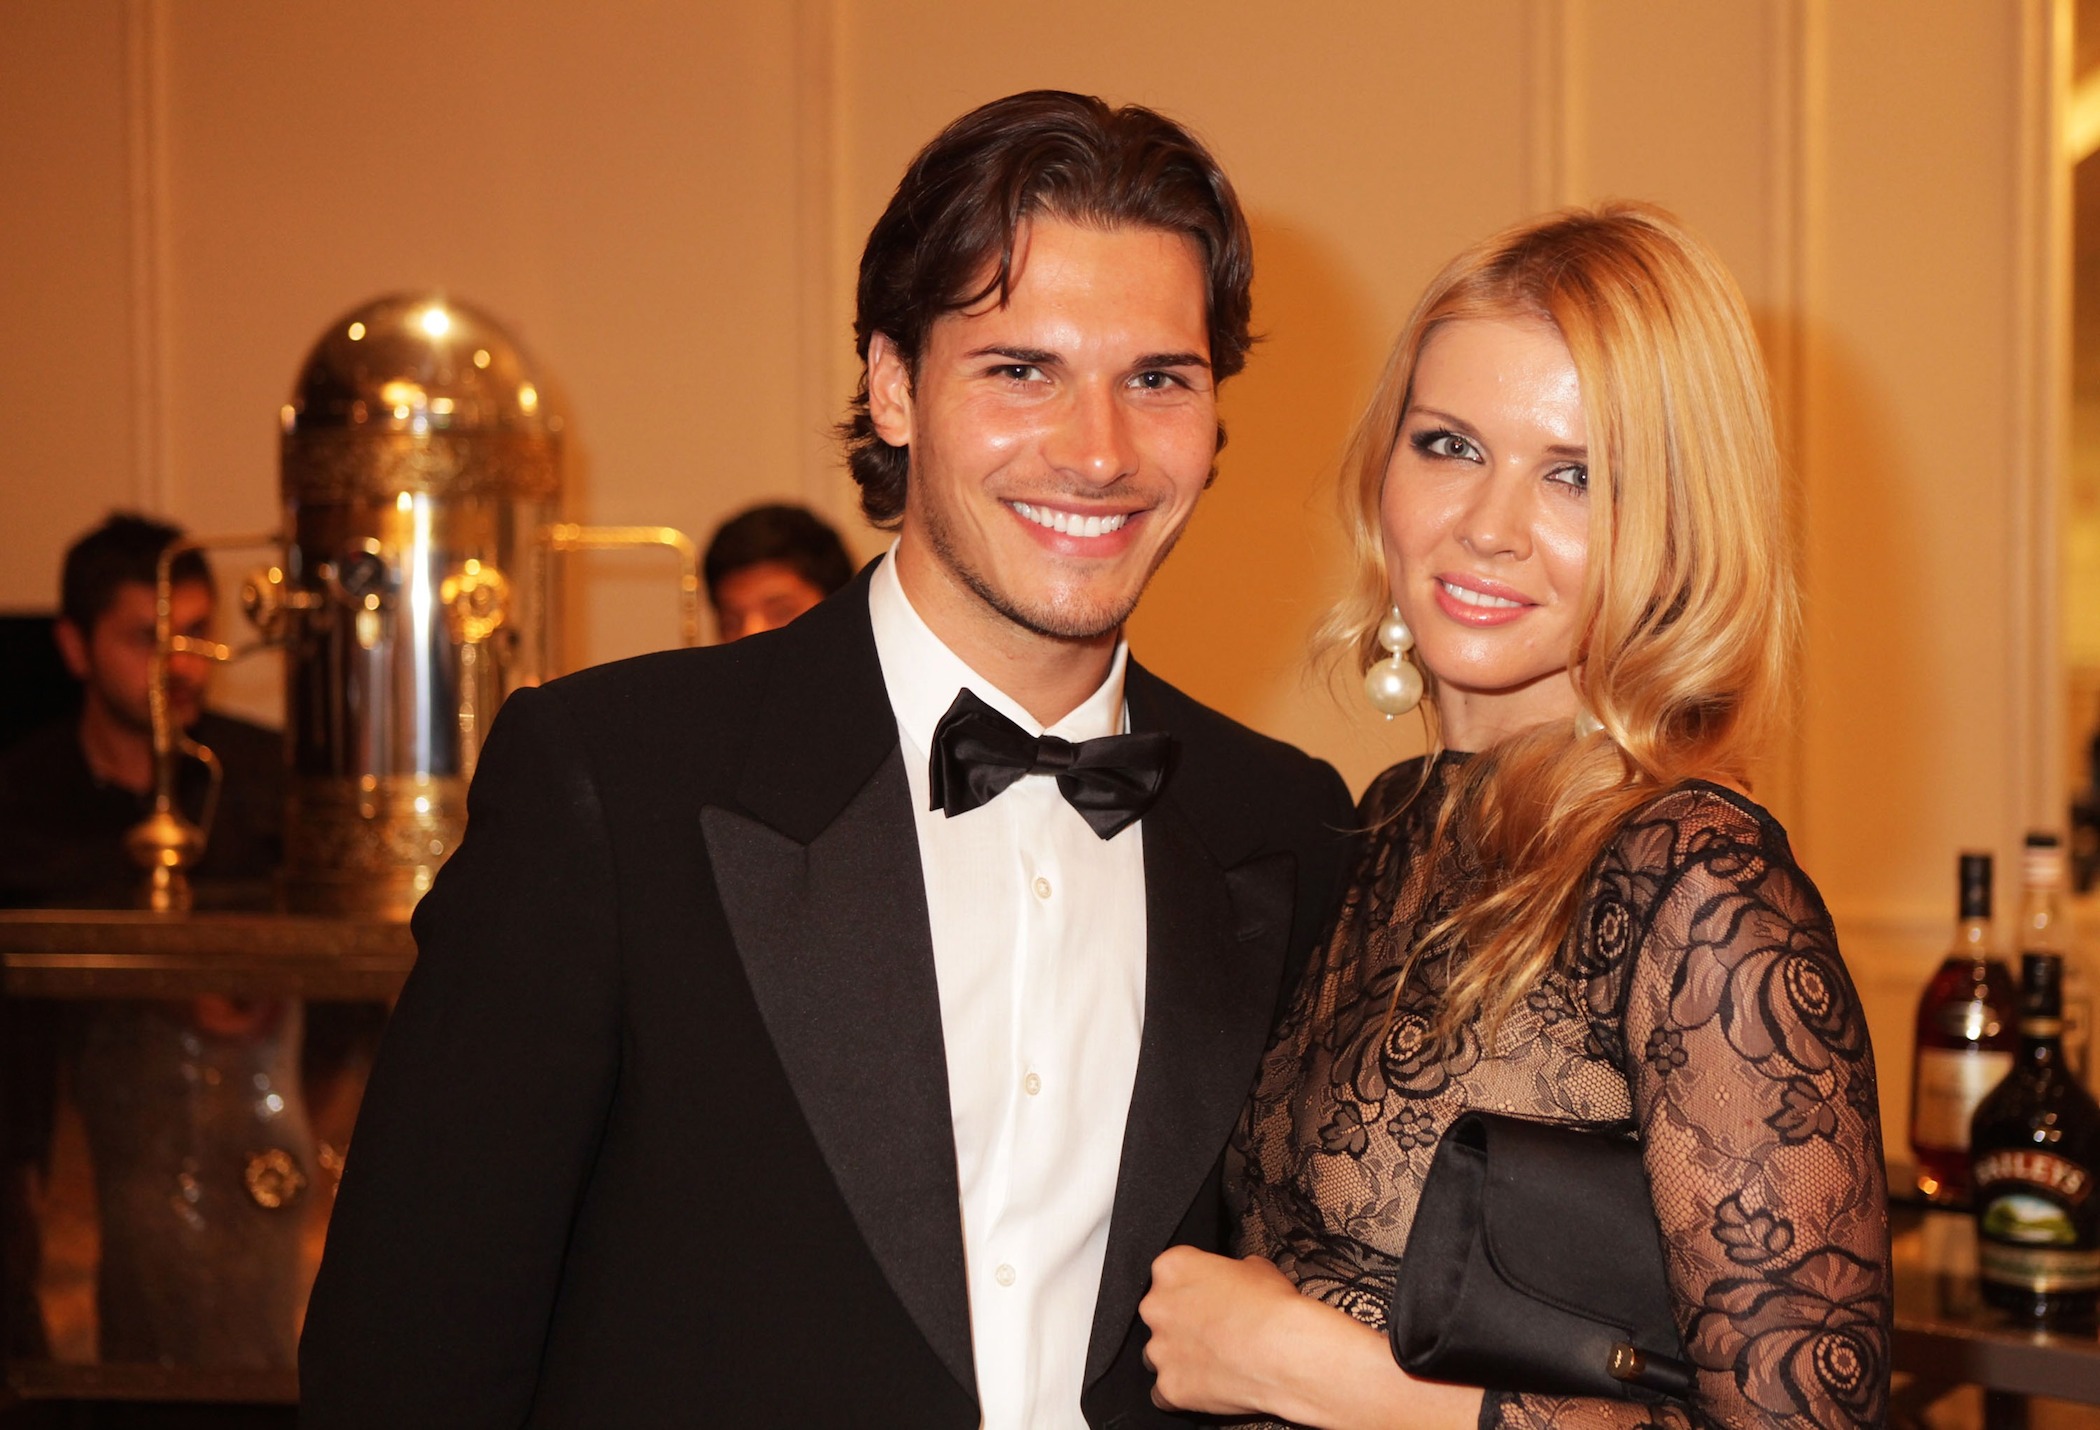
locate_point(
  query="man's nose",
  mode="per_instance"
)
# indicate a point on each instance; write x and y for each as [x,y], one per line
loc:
[1092,440]
[184,668]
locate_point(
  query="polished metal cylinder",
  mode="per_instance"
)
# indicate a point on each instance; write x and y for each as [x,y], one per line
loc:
[420,467]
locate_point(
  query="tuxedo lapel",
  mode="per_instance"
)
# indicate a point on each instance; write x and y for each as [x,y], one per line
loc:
[820,879]
[1217,921]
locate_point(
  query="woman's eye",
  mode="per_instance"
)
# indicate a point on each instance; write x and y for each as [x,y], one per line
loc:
[1577,477]
[1445,444]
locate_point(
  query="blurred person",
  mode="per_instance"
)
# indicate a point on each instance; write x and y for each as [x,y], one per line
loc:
[193,1110]
[71,791]
[768,565]
[828,1028]
[1567,500]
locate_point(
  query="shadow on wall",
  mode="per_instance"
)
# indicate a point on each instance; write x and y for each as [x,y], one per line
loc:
[1230,617]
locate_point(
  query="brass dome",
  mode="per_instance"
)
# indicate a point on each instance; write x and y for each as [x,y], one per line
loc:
[418,393]
[418,362]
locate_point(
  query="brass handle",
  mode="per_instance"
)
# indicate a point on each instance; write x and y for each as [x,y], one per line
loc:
[263,601]
[568,536]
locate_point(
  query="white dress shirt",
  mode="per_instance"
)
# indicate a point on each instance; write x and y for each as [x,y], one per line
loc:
[1039,949]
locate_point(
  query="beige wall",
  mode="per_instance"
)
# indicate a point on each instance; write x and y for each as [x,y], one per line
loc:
[665,201]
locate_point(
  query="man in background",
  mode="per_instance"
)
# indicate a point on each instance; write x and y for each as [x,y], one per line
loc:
[71,791]
[768,565]
[179,1099]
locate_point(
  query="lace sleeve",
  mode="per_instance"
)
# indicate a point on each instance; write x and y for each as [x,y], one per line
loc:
[1753,1086]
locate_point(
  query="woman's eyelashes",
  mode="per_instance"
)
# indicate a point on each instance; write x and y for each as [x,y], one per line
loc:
[1442,442]
[1447,445]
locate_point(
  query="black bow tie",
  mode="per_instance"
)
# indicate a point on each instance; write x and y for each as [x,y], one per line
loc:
[977,752]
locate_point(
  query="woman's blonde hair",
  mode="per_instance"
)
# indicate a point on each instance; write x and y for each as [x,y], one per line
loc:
[1689,609]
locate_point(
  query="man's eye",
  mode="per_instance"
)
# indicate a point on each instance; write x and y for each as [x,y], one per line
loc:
[1018,371]
[1157,381]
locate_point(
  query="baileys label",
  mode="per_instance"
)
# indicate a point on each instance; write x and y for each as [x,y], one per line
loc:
[2046,1170]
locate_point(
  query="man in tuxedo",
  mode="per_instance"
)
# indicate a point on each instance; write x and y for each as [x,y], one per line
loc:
[830,1028]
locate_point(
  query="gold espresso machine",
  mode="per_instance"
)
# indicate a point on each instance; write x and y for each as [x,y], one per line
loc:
[420,468]
[416,581]
[419,585]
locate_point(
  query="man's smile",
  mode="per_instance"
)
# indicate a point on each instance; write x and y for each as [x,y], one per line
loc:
[1071,523]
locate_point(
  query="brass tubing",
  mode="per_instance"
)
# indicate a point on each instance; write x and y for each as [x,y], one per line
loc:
[166,843]
[569,536]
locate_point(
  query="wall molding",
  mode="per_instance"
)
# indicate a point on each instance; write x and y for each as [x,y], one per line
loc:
[817,406]
[2039,301]
[1796,116]
[1551,112]
[146,143]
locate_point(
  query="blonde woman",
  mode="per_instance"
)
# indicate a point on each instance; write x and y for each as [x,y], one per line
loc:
[1567,492]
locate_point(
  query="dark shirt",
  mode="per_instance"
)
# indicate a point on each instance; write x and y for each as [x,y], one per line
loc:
[62,829]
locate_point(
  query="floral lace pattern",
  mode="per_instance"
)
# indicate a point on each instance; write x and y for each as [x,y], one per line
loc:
[1699,999]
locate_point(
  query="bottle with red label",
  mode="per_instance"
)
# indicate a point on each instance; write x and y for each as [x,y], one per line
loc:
[1966,1034]
[2036,1147]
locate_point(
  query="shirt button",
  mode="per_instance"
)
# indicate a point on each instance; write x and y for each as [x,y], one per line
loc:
[1004,1275]
[1042,887]
[1032,1084]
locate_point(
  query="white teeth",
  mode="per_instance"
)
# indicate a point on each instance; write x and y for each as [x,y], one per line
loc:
[1476,598]
[1069,523]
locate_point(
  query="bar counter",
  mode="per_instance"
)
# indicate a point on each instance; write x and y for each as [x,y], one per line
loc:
[84,954]
[80,956]
[1947,1337]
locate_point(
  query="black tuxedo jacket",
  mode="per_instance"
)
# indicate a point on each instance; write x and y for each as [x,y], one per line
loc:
[659,1132]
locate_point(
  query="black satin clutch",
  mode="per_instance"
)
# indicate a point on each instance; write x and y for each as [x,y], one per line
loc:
[1535,1265]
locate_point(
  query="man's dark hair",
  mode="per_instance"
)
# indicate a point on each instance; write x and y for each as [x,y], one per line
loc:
[793,536]
[126,547]
[946,241]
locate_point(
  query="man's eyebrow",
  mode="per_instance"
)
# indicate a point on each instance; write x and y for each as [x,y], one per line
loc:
[1044,357]
[1037,357]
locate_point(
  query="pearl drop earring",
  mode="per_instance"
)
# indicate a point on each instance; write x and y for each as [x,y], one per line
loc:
[1394,686]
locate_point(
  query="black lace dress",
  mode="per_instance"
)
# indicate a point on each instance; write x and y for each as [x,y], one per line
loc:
[1701,996]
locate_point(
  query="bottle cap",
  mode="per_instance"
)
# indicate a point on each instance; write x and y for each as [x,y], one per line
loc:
[2042,862]
[1975,885]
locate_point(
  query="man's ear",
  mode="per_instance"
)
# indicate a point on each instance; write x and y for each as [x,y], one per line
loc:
[72,647]
[889,391]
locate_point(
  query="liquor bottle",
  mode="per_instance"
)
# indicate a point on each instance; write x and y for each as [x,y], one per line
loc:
[2036,1146]
[1966,1033]
[2078,1019]
[2045,928]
